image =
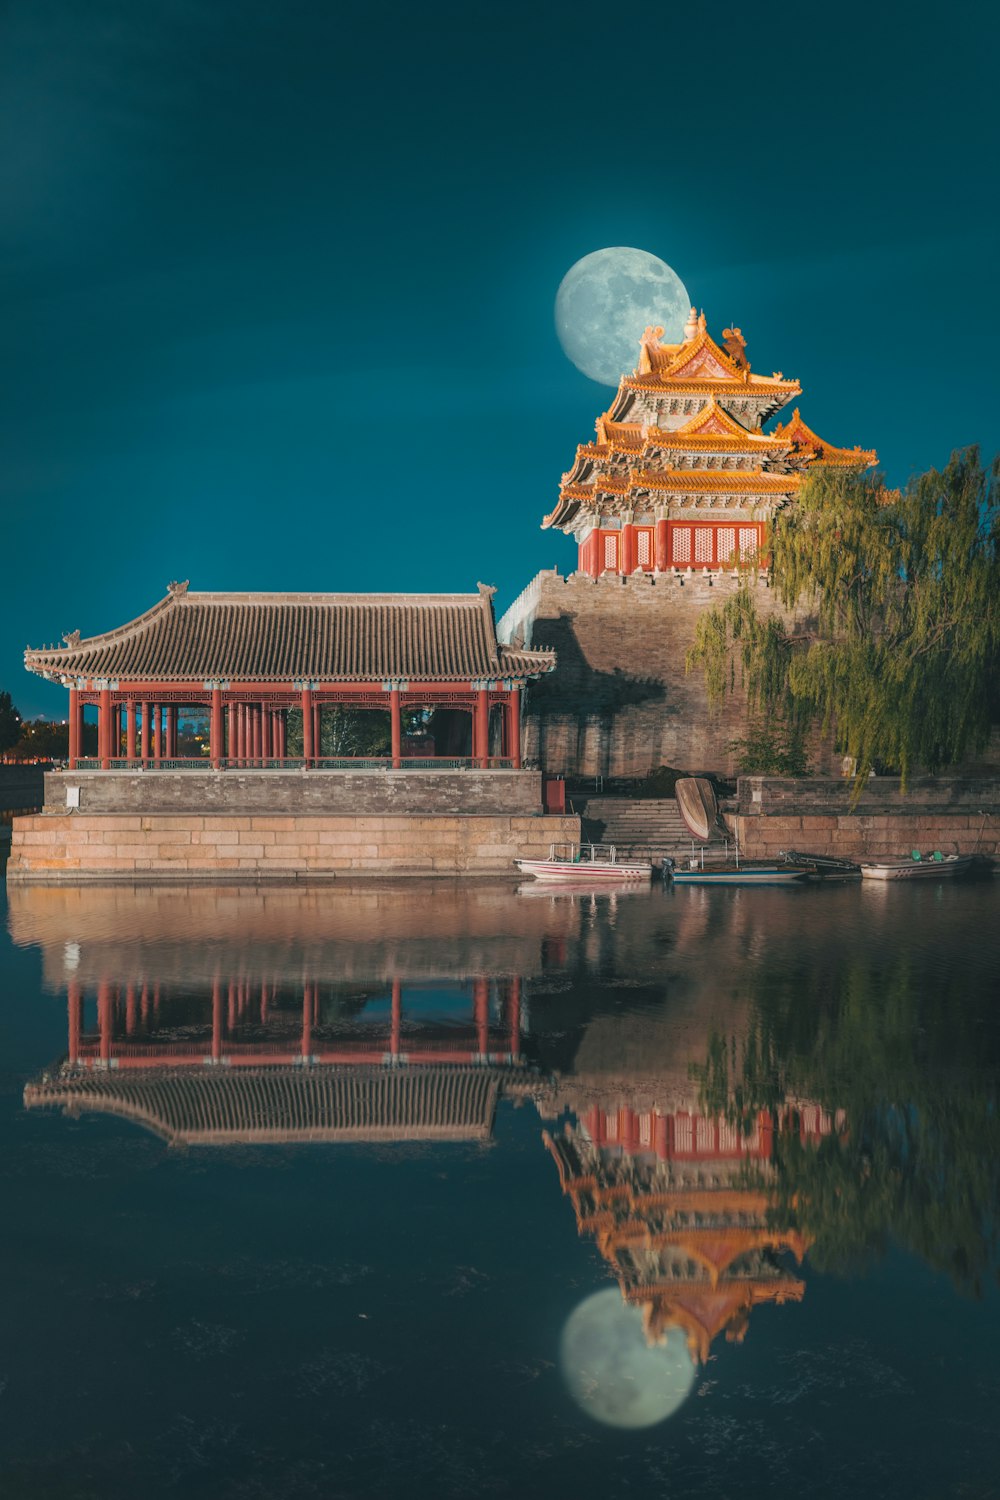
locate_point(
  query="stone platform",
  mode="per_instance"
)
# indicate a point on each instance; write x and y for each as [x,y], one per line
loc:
[258,826]
[255,847]
[957,815]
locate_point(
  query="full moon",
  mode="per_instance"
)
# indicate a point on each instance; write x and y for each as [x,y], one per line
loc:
[613,1373]
[606,300]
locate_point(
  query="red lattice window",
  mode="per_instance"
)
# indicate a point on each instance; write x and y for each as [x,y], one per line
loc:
[727,544]
[644,548]
[703,544]
[748,542]
[611,552]
[681,544]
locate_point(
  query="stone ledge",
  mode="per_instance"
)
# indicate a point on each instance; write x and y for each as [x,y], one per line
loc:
[47,848]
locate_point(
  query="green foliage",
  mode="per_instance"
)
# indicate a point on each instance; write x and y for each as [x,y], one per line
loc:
[902,596]
[913,1065]
[352,732]
[10,723]
[770,747]
[40,739]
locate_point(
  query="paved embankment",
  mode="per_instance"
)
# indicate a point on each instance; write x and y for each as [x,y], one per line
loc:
[954,814]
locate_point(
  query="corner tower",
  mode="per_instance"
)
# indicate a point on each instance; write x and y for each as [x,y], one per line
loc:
[682,474]
[669,507]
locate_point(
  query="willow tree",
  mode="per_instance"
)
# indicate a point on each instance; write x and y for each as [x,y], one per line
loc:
[900,595]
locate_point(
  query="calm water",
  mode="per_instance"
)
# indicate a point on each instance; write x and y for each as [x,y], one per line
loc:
[717,1215]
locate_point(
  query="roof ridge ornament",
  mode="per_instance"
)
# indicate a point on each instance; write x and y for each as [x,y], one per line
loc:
[487,590]
[178,590]
[72,639]
[736,347]
[691,327]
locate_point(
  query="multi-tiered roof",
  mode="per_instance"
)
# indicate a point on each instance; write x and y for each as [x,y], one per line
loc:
[682,472]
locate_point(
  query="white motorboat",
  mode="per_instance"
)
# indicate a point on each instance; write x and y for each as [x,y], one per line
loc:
[918,866]
[584,864]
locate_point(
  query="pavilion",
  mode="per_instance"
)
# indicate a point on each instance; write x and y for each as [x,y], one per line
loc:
[247,659]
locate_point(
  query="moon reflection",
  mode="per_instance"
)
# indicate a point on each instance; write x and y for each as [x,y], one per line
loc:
[613,1373]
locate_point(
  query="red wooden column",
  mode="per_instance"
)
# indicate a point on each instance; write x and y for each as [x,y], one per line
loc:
[104,729]
[104,1018]
[144,734]
[396,727]
[514,727]
[481,1002]
[267,733]
[74,996]
[308,749]
[230,732]
[256,713]
[216,1020]
[116,731]
[74,727]
[628,557]
[661,554]
[514,1015]
[215,730]
[588,556]
[318,730]
[172,731]
[307,1018]
[397,1017]
[130,729]
[481,728]
[157,733]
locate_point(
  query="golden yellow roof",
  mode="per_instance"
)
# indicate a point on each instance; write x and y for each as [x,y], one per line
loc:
[795,431]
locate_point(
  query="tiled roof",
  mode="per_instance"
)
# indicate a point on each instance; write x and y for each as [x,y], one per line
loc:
[194,637]
[219,1106]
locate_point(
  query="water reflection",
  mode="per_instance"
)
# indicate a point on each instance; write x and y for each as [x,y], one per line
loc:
[302,1035]
[727,1091]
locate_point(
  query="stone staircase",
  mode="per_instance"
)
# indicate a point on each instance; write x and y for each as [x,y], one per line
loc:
[643,827]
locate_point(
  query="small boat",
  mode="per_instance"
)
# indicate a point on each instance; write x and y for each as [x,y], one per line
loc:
[733,872]
[936,866]
[584,864]
[697,805]
[823,866]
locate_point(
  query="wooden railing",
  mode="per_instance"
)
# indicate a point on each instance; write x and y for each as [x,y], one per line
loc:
[298,763]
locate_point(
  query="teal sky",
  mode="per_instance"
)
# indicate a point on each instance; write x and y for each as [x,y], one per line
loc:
[277,279]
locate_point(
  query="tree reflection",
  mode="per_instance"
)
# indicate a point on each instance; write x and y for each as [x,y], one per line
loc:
[910,1063]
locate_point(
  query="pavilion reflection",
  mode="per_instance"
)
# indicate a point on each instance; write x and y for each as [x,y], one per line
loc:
[218,1017]
[268,1062]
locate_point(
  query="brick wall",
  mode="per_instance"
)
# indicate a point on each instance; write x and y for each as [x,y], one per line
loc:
[956,815]
[298,792]
[256,847]
[620,702]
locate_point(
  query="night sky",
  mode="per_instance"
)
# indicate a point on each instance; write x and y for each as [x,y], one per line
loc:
[278,278]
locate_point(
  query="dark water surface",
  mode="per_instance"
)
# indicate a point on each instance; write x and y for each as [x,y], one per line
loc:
[273,1227]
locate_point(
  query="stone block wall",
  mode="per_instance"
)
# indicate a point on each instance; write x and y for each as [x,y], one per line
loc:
[956,815]
[439,793]
[254,847]
[620,702]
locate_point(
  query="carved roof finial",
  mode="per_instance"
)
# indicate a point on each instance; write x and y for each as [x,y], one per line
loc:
[736,347]
[652,334]
[72,639]
[691,326]
[178,590]
[702,325]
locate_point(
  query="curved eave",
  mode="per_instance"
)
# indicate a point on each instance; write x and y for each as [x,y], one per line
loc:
[286,639]
[708,480]
[525,665]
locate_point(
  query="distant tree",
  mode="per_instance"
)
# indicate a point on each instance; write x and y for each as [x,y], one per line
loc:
[10,723]
[903,591]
